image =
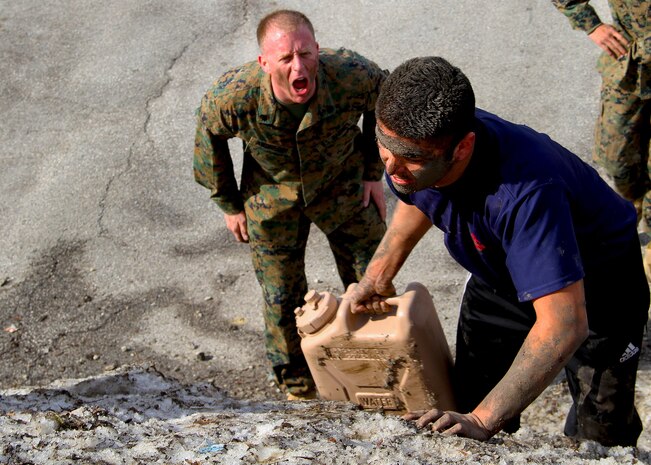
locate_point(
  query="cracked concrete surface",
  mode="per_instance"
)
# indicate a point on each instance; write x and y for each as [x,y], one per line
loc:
[107,243]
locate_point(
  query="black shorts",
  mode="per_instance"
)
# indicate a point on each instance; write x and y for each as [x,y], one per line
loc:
[601,374]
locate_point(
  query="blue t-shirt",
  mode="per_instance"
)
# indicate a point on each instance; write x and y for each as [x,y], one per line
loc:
[527,216]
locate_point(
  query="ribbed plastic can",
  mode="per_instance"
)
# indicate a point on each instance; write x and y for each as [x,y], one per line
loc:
[397,362]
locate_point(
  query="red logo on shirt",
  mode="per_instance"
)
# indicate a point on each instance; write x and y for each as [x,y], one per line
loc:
[478,245]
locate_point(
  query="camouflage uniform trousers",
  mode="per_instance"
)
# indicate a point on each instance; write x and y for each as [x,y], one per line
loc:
[622,145]
[278,255]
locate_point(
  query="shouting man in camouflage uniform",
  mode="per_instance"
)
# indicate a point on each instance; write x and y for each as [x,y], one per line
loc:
[306,161]
[624,123]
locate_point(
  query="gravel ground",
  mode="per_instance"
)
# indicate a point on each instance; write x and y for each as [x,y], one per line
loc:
[138,416]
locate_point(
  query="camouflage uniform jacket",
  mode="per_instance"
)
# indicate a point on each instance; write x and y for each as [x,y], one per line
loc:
[317,164]
[631,19]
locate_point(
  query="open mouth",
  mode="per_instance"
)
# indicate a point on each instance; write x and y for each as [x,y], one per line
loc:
[300,85]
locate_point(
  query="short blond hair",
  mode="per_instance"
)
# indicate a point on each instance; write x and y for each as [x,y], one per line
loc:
[288,20]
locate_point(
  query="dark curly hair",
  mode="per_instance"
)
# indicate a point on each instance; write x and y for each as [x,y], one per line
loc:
[427,98]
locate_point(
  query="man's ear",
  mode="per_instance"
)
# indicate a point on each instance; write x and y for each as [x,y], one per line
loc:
[465,147]
[263,63]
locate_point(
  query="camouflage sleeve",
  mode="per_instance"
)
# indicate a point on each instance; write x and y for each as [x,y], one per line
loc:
[373,166]
[213,166]
[581,15]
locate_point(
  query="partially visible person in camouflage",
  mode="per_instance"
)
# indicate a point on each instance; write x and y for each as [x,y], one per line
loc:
[624,123]
[297,111]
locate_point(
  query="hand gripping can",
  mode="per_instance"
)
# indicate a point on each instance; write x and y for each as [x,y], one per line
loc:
[397,362]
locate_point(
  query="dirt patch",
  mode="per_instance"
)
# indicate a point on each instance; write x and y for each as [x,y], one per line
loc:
[57,326]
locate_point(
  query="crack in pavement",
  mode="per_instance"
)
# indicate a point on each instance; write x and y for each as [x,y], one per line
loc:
[102,204]
[164,85]
[103,230]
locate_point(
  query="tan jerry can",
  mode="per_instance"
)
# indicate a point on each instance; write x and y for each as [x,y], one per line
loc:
[398,361]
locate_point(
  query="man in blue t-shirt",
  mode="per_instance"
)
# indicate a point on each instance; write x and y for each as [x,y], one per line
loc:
[556,270]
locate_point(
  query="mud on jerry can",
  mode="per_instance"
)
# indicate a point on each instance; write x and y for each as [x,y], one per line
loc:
[397,362]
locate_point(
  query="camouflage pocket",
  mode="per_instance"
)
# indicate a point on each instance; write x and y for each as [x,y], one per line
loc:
[273,216]
[280,163]
[621,72]
[612,69]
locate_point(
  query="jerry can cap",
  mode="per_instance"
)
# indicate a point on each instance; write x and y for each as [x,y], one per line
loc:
[318,310]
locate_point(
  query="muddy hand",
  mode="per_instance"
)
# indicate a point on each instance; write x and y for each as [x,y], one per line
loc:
[365,298]
[451,423]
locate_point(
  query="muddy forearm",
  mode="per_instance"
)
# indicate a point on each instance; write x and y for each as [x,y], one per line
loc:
[535,366]
[407,227]
[561,327]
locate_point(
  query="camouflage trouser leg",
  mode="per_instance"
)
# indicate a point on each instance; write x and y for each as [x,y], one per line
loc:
[278,244]
[280,272]
[622,144]
[354,243]
[278,255]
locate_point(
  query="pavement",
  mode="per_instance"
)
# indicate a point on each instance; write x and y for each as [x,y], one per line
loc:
[111,254]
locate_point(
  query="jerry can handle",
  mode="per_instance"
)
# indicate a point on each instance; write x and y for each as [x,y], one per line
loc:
[393,301]
[345,312]
[349,318]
